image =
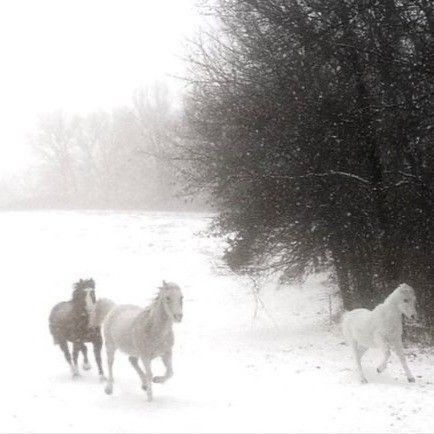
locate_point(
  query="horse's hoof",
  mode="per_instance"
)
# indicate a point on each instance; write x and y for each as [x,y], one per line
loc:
[144,387]
[364,381]
[158,379]
[411,380]
[102,378]
[86,366]
[74,371]
[108,390]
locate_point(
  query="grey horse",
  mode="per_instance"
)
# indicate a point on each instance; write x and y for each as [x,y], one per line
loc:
[144,334]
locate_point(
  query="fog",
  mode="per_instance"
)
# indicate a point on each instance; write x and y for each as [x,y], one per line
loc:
[78,59]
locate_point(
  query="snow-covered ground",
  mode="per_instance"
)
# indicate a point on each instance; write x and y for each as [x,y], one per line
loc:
[287,370]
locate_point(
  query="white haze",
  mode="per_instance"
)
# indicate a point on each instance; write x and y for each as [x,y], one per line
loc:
[80,56]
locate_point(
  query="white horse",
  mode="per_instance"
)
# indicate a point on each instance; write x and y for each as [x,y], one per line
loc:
[144,334]
[381,328]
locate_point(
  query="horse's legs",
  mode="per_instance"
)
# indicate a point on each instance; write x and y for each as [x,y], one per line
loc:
[148,376]
[135,363]
[76,347]
[64,347]
[83,349]
[399,350]
[97,346]
[167,360]
[386,355]
[358,353]
[110,360]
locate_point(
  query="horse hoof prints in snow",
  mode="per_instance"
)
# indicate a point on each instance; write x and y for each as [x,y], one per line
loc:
[381,328]
[72,321]
[144,334]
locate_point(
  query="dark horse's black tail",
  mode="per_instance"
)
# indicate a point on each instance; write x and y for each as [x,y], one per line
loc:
[53,331]
[54,326]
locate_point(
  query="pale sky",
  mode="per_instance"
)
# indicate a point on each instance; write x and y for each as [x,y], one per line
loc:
[81,55]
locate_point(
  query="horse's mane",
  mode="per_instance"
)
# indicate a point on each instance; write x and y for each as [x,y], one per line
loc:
[79,312]
[79,286]
[154,303]
[84,283]
[396,292]
[156,300]
[102,307]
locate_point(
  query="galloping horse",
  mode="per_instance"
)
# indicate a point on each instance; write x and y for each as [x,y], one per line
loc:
[72,321]
[381,328]
[145,334]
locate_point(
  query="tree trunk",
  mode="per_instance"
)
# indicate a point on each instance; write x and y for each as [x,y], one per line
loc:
[342,273]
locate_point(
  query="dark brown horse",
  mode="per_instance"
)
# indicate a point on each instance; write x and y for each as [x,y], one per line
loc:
[72,321]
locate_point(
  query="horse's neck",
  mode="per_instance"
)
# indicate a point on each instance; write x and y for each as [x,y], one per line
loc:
[390,309]
[80,316]
[158,318]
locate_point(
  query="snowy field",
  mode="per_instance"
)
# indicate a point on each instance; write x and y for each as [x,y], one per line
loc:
[284,371]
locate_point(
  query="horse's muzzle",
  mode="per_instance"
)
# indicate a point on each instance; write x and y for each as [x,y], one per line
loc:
[178,317]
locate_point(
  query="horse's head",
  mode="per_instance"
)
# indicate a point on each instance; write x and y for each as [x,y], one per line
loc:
[84,295]
[171,299]
[406,300]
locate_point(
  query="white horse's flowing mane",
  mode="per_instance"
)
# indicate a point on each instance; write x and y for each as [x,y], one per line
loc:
[397,293]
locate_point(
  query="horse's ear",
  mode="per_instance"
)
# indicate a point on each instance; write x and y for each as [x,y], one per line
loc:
[407,289]
[92,283]
[164,284]
[403,286]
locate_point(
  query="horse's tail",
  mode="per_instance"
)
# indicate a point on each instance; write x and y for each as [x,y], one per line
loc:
[103,307]
[54,326]
[53,331]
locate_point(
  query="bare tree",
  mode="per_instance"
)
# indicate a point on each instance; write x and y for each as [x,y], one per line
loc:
[55,141]
[117,159]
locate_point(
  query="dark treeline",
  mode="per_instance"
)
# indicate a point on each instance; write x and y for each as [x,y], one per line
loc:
[312,126]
